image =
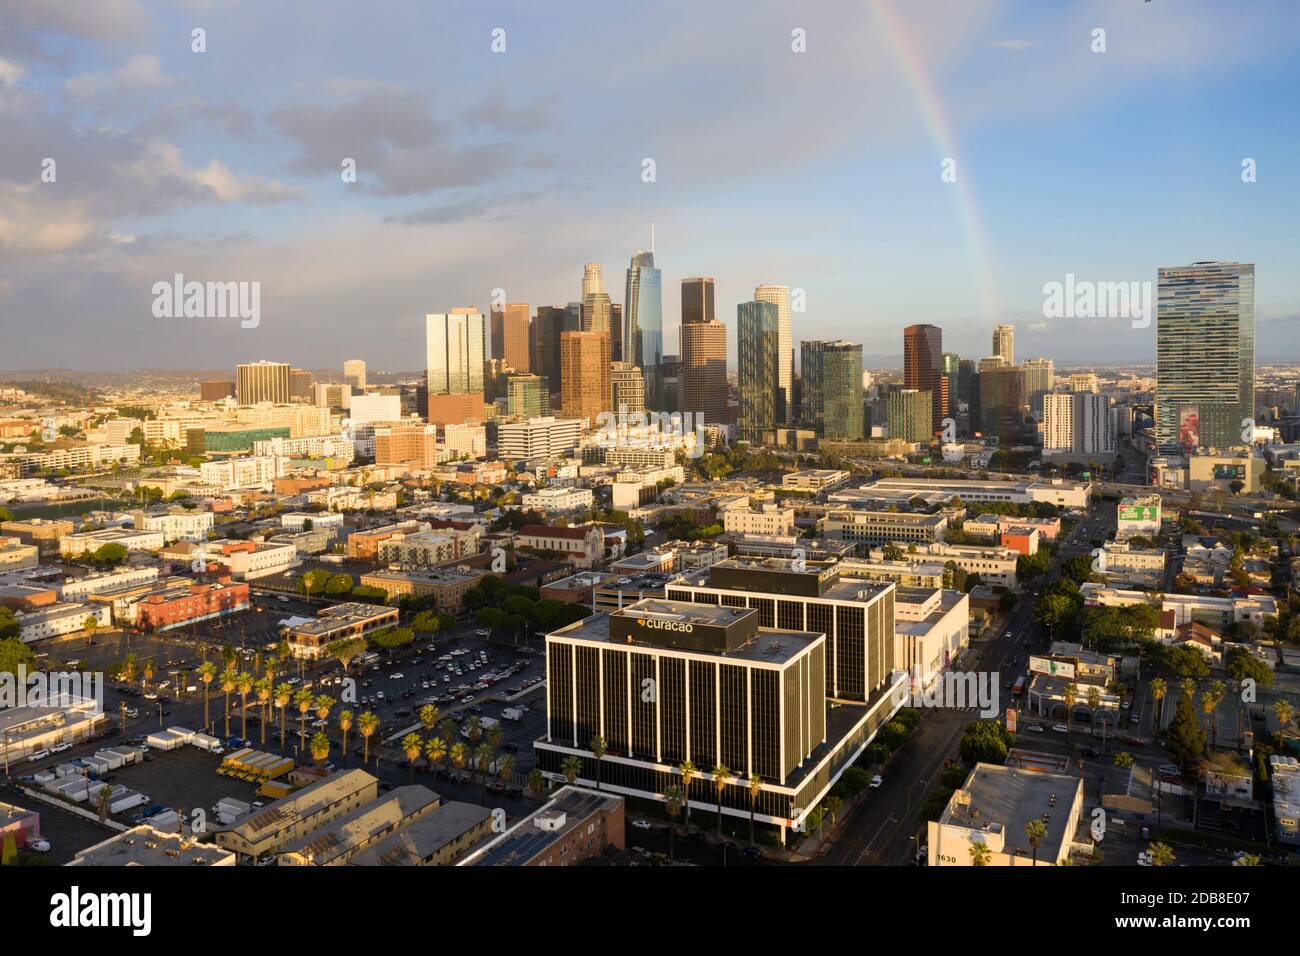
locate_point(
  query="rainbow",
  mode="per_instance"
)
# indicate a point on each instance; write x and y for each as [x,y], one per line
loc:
[940,130]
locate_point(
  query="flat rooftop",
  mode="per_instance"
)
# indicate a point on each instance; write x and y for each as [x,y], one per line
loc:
[524,841]
[421,839]
[1010,797]
[146,846]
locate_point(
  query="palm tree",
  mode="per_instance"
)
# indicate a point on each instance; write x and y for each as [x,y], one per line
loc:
[104,793]
[303,700]
[1246,859]
[1094,702]
[598,747]
[412,745]
[229,682]
[345,724]
[435,751]
[1036,830]
[1158,691]
[674,799]
[128,668]
[833,805]
[146,673]
[688,770]
[429,717]
[755,789]
[264,690]
[320,747]
[367,724]
[322,705]
[1285,713]
[245,688]
[283,695]
[473,730]
[536,783]
[1123,759]
[506,768]
[207,674]
[571,767]
[980,854]
[1071,695]
[459,755]
[495,735]
[447,729]
[1161,854]
[1210,701]
[1188,687]
[720,774]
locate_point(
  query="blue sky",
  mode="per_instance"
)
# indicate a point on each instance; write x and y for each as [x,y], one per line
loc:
[478,170]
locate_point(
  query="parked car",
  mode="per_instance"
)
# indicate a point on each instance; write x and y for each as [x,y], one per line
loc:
[1060,728]
[877,781]
[641,824]
[39,755]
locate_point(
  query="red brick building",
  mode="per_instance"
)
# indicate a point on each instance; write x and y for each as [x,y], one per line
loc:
[178,604]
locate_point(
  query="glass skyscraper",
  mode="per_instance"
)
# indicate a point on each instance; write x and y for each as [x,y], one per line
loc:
[1205,355]
[757,368]
[842,390]
[643,322]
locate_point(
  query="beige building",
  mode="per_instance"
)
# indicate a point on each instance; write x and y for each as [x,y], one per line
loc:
[287,821]
[585,389]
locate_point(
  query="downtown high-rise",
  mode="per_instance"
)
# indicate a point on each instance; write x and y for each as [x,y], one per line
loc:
[703,375]
[1004,343]
[923,367]
[455,352]
[262,382]
[510,336]
[779,296]
[643,322]
[757,368]
[1205,355]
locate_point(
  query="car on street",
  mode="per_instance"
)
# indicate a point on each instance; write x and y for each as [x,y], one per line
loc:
[1060,729]
[877,781]
[641,824]
[39,755]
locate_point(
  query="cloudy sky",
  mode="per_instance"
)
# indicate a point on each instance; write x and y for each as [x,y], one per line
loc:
[479,169]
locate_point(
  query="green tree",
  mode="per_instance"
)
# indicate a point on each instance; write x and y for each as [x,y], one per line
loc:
[1036,831]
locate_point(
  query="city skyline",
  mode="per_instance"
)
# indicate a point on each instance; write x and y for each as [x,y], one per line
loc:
[166,165]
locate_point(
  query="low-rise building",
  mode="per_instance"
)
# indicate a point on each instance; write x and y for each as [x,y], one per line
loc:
[188,602]
[558,500]
[931,629]
[439,838]
[994,806]
[78,543]
[250,560]
[146,845]
[337,841]
[867,528]
[336,623]
[583,547]
[445,586]
[814,479]
[576,824]
[286,821]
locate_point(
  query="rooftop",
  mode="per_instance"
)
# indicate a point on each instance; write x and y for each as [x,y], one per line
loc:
[1007,798]
[146,846]
[525,840]
[423,838]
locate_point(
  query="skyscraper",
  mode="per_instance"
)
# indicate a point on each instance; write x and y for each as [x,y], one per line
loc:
[593,279]
[454,358]
[1004,343]
[758,367]
[262,382]
[545,335]
[627,388]
[697,300]
[908,414]
[1079,423]
[842,391]
[354,373]
[528,396]
[810,411]
[1040,373]
[510,336]
[704,370]
[596,312]
[1205,354]
[643,322]
[952,381]
[1002,395]
[584,374]
[302,385]
[923,367]
[779,295]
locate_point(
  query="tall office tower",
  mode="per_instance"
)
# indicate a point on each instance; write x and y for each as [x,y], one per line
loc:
[1004,343]
[584,374]
[510,336]
[262,382]
[758,368]
[951,371]
[670,383]
[454,357]
[1002,396]
[968,391]
[302,386]
[334,395]
[627,388]
[528,396]
[1205,354]
[547,326]
[704,371]
[593,279]
[1084,382]
[595,312]
[615,332]
[354,373]
[1040,375]
[908,414]
[697,300]
[842,391]
[1078,423]
[992,362]
[779,295]
[495,376]
[811,407]
[923,366]
[643,322]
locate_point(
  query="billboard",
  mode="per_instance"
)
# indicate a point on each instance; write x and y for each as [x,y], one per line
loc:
[1189,427]
[1052,668]
[1011,719]
[1139,513]
[1229,472]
